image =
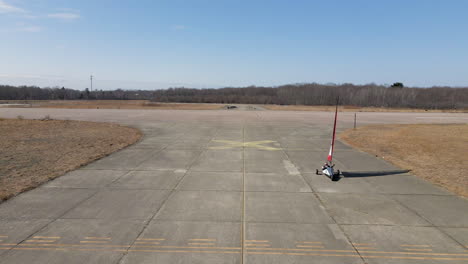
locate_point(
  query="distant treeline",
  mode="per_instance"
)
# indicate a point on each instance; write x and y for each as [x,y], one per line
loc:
[8,92]
[318,94]
[298,94]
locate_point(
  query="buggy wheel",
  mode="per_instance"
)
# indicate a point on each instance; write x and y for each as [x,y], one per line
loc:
[316,171]
[335,177]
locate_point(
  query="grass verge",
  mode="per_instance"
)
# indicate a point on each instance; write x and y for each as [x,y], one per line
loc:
[437,153]
[350,108]
[36,151]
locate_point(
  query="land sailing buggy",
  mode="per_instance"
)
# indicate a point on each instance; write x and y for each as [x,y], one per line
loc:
[328,168]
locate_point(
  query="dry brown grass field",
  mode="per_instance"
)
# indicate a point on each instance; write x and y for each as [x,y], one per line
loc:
[115,104]
[437,153]
[35,151]
[350,108]
[146,104]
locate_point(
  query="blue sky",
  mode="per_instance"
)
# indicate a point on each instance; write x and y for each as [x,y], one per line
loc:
[156,44]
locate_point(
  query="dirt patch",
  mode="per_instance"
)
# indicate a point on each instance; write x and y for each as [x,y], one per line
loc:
[437,153]
[35,151]
[350,108]
[111,104]
[176,106]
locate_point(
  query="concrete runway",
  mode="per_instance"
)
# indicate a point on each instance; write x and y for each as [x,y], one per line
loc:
[234,187]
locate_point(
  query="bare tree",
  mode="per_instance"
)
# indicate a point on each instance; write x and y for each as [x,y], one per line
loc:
[292,94]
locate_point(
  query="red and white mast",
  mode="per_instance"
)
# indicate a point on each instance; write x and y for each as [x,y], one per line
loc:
[332,145]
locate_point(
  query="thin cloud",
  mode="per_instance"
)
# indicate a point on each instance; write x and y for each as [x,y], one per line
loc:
[22,28]
[26,76]
[29,16]
[64,16]
[30,29]
[67,10]
[178,27]
[7,8]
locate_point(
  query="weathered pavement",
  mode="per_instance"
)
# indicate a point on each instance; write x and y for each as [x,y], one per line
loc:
[233,187]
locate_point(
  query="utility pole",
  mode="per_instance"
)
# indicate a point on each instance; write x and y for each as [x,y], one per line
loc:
[91,78]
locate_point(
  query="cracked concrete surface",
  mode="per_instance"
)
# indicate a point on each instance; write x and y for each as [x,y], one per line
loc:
[184,194]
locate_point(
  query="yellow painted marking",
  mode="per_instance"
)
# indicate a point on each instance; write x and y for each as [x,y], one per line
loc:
[359,248]
[150,239]
[308,246]
[258,245]
[416,253]
[301,254]
[415,245]
[89,241]
[265,253]
[186,251]
[418,249]
[362,244]
[124,246]
[3,236]
[147,242]
[68,249]
[40,241]
[309,242]
[347,255]
[125,250]
[351,251]
[253,144]
[201,244]
[189,247]
[74,245]
[8,244]
[53,237]
[106,238]
[238,252]
[269,249]
[202,239]
[408,257]
[306,249]
[257,241]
